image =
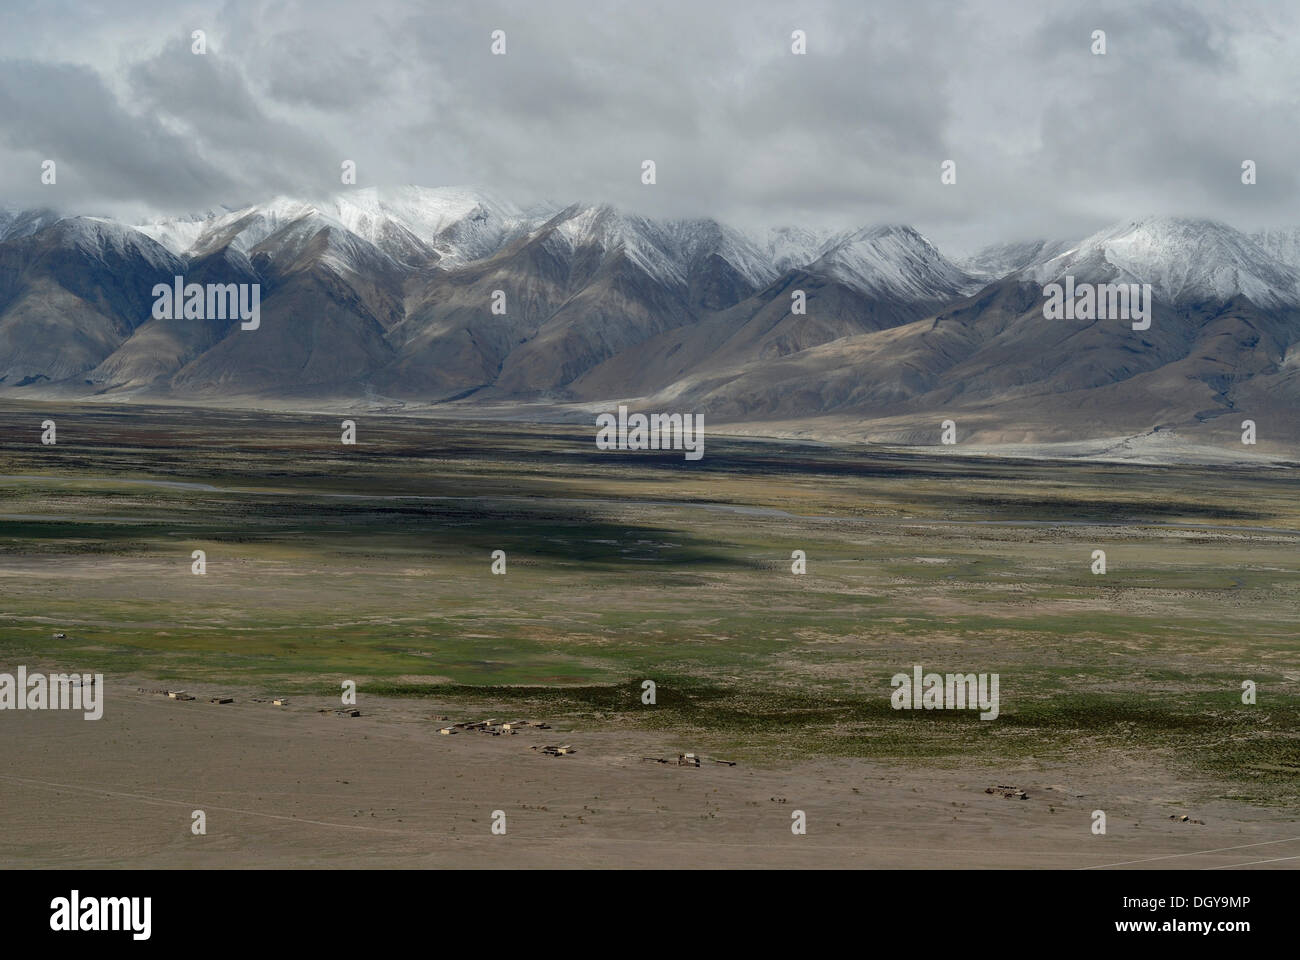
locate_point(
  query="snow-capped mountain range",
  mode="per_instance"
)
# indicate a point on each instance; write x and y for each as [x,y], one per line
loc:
[454,226]
[384,296]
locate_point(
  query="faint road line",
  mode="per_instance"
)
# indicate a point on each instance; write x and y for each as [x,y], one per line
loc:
[1195,853]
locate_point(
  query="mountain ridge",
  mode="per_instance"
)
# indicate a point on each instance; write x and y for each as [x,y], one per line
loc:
[389,294]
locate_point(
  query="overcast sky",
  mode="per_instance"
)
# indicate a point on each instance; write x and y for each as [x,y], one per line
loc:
[1048,138]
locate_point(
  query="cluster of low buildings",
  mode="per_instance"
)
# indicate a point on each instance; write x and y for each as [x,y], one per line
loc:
[498,728]
[492,726]
[182,695]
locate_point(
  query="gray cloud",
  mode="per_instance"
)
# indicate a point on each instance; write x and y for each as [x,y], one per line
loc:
[103,154]
[1048,139]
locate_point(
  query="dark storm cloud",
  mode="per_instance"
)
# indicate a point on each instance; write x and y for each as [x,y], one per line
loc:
[210,99]
[64,112]
[1048,139]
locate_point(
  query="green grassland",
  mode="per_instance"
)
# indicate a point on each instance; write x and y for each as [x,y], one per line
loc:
[372,562]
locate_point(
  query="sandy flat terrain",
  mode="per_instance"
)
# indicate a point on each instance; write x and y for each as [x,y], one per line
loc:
[293,787]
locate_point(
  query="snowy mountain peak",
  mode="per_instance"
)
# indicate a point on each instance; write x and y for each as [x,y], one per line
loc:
[791,247]
[1184,259]
[1282,245]
[699,238]
[645,243]
[894,261]
[107,240]
[16,222]
[460,223]
[1003,259]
